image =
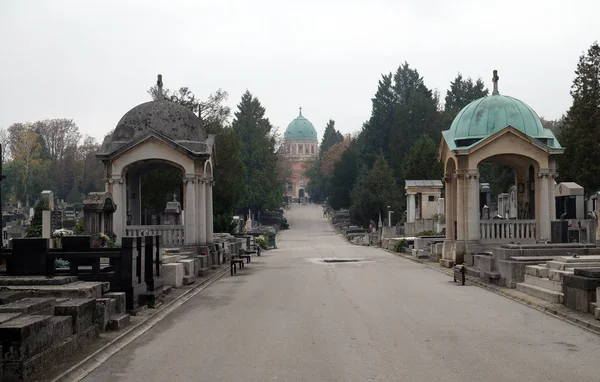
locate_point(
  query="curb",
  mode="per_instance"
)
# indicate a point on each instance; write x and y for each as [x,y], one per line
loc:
[80,370]
[590,327]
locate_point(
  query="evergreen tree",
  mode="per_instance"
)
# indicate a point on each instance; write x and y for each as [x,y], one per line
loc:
[461,93]
[580,134]
[258,154]
[344,175]
[330,137]
[421,162]
[373,192]
[35,227]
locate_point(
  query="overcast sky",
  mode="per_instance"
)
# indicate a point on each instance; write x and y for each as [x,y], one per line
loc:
[92,61]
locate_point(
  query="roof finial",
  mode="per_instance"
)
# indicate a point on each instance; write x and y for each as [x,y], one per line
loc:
[159,88]
[495,81]
[300,110]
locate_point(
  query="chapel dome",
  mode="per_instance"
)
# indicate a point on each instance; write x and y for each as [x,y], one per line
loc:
[488,115]
[300,128]
[171,119]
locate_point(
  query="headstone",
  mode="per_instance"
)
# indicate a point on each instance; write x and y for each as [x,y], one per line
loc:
[512,203]
[49,197]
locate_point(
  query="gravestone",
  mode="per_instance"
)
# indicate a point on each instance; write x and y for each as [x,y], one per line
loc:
[512,203]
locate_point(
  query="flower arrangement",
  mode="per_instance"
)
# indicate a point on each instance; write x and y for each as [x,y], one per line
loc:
[62,233]
[104,241]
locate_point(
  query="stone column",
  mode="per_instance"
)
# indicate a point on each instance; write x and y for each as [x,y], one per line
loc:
[472,206]
[552,192]
[117,188]
[209,211]
[460,205]
[543,220]
[191,231]
[449,204]
[410,207]
[201,212]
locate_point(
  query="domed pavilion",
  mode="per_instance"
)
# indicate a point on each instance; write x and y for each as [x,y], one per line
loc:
[161,134]
[503,130]
[300,144]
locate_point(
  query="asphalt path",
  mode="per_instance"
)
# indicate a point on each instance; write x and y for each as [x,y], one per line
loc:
[289,316]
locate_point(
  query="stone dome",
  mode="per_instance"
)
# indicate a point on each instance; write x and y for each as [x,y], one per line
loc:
[166,117]
[300,128]
[488,115]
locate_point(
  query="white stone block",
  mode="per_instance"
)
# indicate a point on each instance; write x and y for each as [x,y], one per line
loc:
[173,274]
[188,266]
[171,259]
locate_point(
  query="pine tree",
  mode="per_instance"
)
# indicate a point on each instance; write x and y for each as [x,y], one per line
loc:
[461,93]
[258,154]
[330,137]
[421,162]
[373,192]
[580,134]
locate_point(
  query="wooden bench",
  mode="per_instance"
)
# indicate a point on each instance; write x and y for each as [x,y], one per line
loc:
[459,274]
[233,262]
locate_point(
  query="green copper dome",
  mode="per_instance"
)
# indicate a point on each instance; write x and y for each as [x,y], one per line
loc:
[488,115]
[300,128]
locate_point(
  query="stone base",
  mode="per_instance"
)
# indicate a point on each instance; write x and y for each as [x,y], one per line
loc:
[446,263]
[173,274]
[152,299]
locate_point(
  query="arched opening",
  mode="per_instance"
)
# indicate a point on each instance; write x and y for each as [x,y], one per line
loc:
[150,185]
[301,193]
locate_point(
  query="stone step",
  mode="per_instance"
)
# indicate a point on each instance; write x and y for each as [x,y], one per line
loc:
[543,282]
[542,293]
[36,280]
[79,289]
[557,275]
[120,301]
[561,265]
[537,270]
[189,279]
[169,259]
[484,262]
[167,289]
[592,307]
[203,272]
[81,310]
[29,305]
[105,308]
[473,272]
[119,321]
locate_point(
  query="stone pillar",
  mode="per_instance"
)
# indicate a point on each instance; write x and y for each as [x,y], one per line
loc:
[543,220]
[552,196]
[117,188]
[209,211]
[410,207]
[201,211]
[449,206]
[191,230]
[460,205]
[472,206]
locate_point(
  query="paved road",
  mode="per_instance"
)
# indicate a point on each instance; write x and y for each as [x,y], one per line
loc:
[290,318]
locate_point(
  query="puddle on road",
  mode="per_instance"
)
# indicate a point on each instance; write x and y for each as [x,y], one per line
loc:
[338,260]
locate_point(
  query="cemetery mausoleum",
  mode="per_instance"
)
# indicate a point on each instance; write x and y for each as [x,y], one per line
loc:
[300,144]
[161,134]
[503,130]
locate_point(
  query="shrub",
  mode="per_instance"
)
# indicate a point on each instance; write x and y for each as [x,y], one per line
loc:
[428,233]
[400,245]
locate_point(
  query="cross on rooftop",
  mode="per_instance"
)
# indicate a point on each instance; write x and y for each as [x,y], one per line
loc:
[495,81]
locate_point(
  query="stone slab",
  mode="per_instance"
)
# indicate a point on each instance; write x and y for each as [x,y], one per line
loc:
[561,265]
[173,274]
[446,263]
[82,311]
[119,321]
[62,327]
[544,283]
[36,280]
[581,282]
[578,299]
[26,335]
[7,317]
[170,259]
[188,266]
[537,270]
[6,297]
[542,293]
[79,289]
[587,272]
[580,259]
[28,305]
[484,262]
[189,279]
[120,300]
[105,308]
